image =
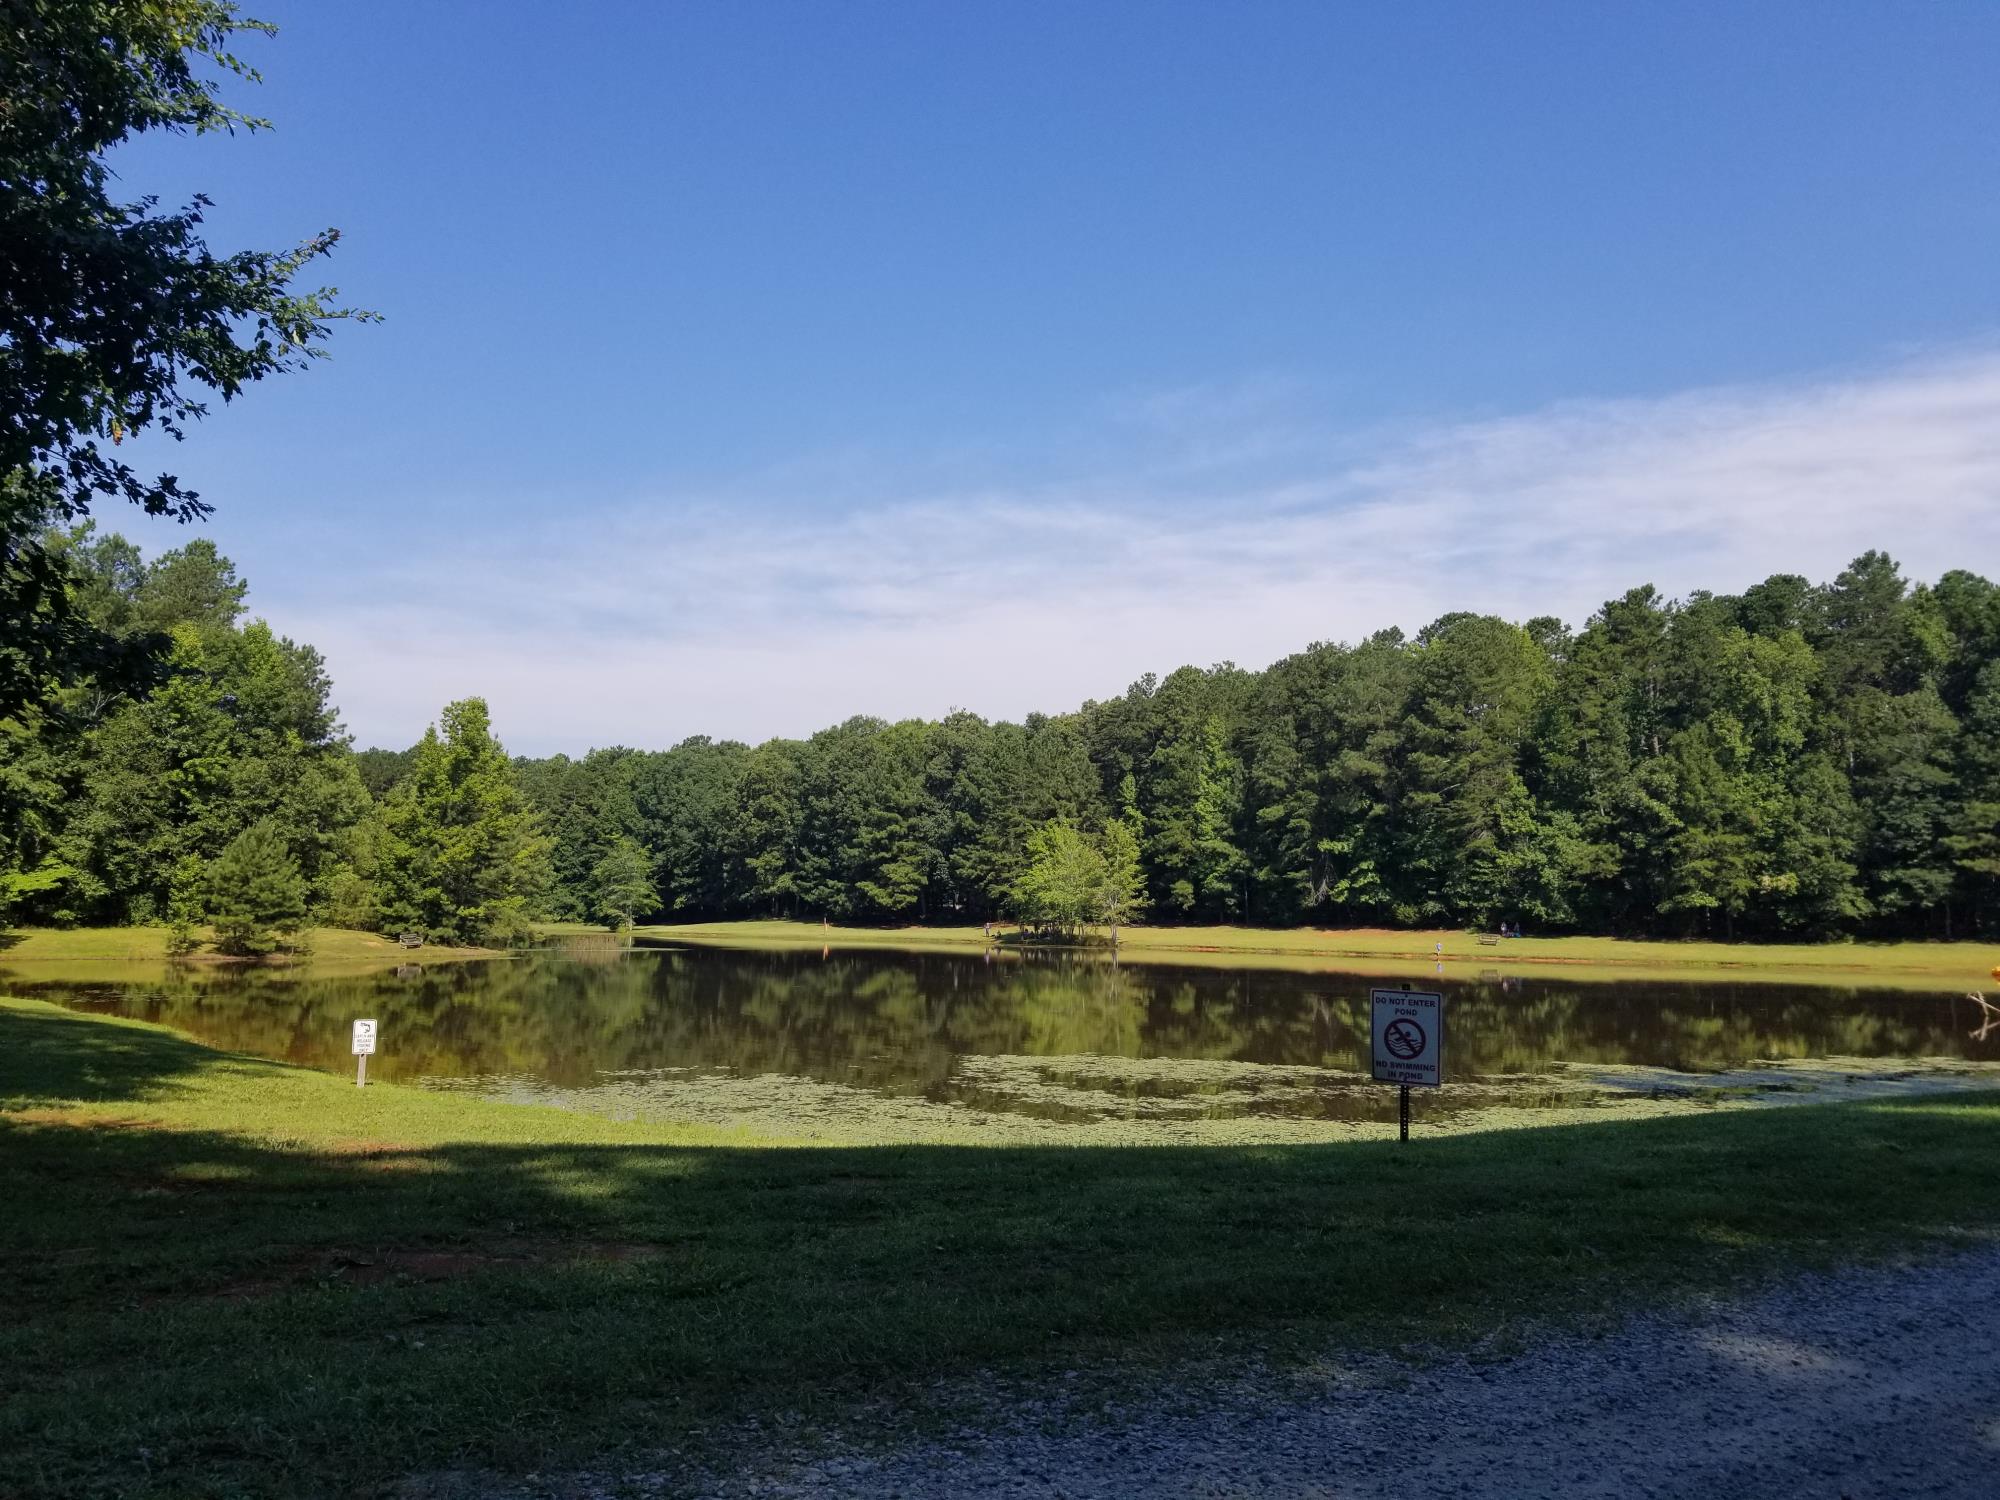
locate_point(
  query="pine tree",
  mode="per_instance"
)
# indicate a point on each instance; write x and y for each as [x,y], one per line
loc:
[1121,893]
[894,858]
[763,839]
[184,907]
[256,893]
[463,855]
[1973,838]
[1193,797]
[1470,831]
[684,803]
[990,818]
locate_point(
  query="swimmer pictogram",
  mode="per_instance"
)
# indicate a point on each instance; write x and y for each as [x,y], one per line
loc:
[1405,1039]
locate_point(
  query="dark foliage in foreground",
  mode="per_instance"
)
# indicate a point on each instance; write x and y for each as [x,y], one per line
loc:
[116,317]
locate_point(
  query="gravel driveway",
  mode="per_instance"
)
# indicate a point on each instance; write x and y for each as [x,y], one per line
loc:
[1871,1383]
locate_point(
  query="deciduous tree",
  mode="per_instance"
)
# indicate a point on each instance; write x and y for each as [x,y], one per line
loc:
[621,885]
[116,317]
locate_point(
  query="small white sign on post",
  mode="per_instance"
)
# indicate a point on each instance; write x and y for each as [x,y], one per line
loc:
[364,1043]
[1409,1037]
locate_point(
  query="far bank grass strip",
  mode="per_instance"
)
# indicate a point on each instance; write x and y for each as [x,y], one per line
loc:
[222,1270]
[110,953]
[1586,957]
[118,954]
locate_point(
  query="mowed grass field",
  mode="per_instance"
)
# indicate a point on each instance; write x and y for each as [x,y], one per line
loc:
[110,954]
[226,1276]
[62,953]
[1387,950]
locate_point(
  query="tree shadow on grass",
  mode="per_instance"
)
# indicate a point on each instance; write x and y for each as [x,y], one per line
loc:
[50,1056]
[195,1311]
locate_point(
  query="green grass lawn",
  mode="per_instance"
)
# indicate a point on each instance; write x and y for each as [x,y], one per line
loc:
[227,1276]
[53,952]
[1395,951]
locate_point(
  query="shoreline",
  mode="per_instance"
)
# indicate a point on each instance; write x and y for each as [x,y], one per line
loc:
[112,954]
[49,955]
[1404,953]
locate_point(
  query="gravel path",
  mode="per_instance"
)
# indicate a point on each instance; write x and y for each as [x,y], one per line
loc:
[1865,1384]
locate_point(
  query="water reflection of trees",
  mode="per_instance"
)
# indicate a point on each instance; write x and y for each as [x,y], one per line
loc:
[898,1022]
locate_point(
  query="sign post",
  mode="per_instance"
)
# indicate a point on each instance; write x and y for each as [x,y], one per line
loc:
[1408,1044]
[364,1043]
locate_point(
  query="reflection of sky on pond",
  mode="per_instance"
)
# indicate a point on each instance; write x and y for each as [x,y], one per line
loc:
[1056,1037]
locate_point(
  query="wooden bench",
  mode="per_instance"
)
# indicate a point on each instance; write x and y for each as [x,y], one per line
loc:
[1488,939]
[411,940]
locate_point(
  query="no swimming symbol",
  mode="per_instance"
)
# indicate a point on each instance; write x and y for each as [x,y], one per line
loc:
[1404,1038]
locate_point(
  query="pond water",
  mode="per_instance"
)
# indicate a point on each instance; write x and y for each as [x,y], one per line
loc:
[923,1043]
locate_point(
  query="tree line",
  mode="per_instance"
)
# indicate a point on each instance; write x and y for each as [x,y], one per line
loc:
[1799,759]
[219,788]
[1803,760]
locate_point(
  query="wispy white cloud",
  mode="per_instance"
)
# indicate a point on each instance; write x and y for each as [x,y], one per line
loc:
[1240,533]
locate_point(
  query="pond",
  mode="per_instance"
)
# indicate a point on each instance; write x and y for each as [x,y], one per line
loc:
[969,1045]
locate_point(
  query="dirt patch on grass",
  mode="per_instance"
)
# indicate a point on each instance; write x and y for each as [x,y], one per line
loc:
[381,1156]
[79,1121]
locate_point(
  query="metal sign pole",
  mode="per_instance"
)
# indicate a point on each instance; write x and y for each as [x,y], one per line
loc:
[1405,1112]
[361,1072]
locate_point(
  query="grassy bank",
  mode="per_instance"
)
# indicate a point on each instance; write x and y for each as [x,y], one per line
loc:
[230,1276]
[1389,950]
[62,953]
[109,954]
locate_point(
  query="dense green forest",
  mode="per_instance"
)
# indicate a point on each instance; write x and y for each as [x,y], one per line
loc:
[218,787]
[1799,759]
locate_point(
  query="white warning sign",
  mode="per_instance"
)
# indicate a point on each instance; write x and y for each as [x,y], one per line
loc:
[1408,1037]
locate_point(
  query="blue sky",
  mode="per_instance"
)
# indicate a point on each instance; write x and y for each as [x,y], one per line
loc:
[748,365]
